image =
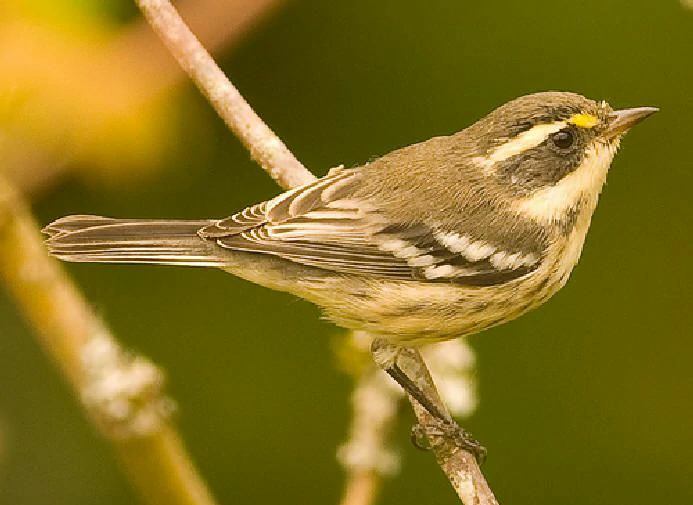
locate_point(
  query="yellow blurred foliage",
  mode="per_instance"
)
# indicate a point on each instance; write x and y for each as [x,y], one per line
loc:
[73,91]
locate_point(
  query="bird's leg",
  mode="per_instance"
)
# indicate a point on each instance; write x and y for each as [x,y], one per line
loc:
[393,360]
[406,366]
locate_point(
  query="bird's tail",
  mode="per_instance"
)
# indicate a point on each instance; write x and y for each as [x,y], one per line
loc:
[107,240]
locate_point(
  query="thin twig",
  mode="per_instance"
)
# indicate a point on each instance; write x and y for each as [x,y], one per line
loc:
[219,24]
[452,365]
[361,487]
[264,146]
[367,456]
[131,411]
[459,465]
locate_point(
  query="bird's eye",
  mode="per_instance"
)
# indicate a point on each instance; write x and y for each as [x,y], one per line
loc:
[563,139]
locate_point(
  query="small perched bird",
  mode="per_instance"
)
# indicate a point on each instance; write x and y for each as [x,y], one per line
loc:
[433,241]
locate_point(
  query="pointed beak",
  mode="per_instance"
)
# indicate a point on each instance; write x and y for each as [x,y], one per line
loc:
[623,120]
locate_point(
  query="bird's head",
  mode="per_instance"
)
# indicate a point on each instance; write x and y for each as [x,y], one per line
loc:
[548,152]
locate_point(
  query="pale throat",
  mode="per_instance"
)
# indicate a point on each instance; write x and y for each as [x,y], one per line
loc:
[579,188]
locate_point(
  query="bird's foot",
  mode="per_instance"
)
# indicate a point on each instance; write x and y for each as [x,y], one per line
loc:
[422,435]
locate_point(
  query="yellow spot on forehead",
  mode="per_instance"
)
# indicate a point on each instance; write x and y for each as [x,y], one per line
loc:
[584,120]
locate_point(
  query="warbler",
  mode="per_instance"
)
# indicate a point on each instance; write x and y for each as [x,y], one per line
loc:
[433,241]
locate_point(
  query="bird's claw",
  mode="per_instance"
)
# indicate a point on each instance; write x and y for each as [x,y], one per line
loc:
[421,438]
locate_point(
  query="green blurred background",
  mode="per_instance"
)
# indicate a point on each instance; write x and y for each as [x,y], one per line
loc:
[586,400]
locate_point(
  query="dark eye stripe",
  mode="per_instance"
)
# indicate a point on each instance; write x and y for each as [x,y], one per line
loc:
[540,166]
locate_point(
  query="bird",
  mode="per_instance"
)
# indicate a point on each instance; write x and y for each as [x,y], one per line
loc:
[434,241]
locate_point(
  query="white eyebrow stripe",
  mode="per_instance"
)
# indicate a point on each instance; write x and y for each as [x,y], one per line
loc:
[525,140]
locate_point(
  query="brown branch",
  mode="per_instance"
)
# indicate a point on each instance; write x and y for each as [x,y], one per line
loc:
[264,146]
[219,24]
[459,465]
[367,456]
[452,364]
[131,411]
[122,393]
[361,488]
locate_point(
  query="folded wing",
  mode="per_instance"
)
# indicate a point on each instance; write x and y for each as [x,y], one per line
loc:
[324,225]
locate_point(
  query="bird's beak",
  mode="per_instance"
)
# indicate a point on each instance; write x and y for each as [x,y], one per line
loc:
[623,120]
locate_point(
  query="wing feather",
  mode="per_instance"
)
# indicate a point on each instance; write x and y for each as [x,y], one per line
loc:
[324,225]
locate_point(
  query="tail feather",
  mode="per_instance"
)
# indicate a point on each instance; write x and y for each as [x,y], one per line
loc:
[102,239]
